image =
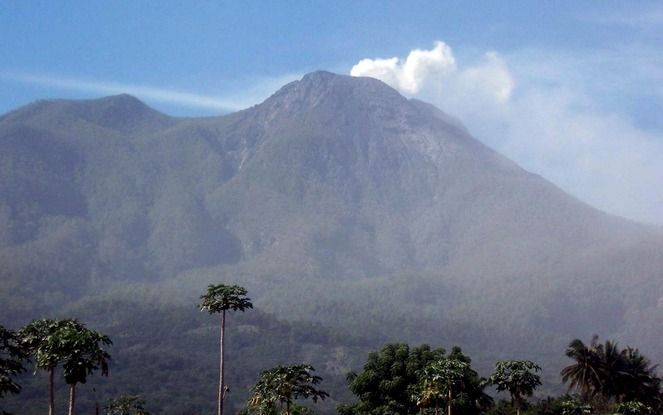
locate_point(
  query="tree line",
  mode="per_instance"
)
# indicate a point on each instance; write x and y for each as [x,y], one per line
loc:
[397,379]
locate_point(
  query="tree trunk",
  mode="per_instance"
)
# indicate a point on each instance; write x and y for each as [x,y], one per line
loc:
[437,406]
[51,392]
[449,404]
[221,341]
[72,398]
[287,408]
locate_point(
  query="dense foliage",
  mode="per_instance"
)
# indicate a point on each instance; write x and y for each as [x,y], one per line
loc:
[126,405]
[388,377]
[403,380]
[397,378]
[284,385]
[168,351]
[605,373]
[12,355]
[518,377]
[69,343]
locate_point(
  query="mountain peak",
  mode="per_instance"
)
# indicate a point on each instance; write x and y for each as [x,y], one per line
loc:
[319,86]
[121,112]
[121,100]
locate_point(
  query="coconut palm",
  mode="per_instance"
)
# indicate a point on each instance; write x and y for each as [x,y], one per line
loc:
[612,365]
[585,374]
[219,299]
[638,380]
[613,374]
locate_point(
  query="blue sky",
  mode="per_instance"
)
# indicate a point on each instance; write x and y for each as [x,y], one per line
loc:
[570,90]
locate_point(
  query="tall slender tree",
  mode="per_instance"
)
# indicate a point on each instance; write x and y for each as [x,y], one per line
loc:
[35,339]
[219,299]
[518,377]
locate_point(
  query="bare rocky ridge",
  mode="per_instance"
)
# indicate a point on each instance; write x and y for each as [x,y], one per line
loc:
[336,200]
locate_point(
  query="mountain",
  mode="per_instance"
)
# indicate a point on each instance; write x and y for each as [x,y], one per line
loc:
[336,201]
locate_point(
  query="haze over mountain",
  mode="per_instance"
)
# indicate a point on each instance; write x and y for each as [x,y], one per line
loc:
[336,201]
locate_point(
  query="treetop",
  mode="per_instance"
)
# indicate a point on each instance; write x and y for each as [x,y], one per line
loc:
[221,297]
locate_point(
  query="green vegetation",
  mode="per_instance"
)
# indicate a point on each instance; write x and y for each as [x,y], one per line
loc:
[37,338]
[126,405]
[396,379]
[603,373]
[67,342]
[219,299]
[404,380]
[518,377]
[82,352]
[388,378]
[11,361]
[285,384]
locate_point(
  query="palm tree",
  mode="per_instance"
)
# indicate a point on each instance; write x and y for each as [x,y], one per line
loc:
[284,384]
[614,374]
[638,380]
[218,299]
[35,339]
[518,377]
[611,368]
[585,374]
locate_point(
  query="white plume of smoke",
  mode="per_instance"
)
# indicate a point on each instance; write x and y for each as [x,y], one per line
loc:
[540,110]
[409,75]
[436,69]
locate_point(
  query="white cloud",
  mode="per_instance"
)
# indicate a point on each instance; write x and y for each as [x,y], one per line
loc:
[181,98]
[435,72]
[409,75]
[548,112]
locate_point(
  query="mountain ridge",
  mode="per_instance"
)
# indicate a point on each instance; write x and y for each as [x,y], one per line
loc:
[333,194]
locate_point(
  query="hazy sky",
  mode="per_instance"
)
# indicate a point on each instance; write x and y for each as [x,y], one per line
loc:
[570,90]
